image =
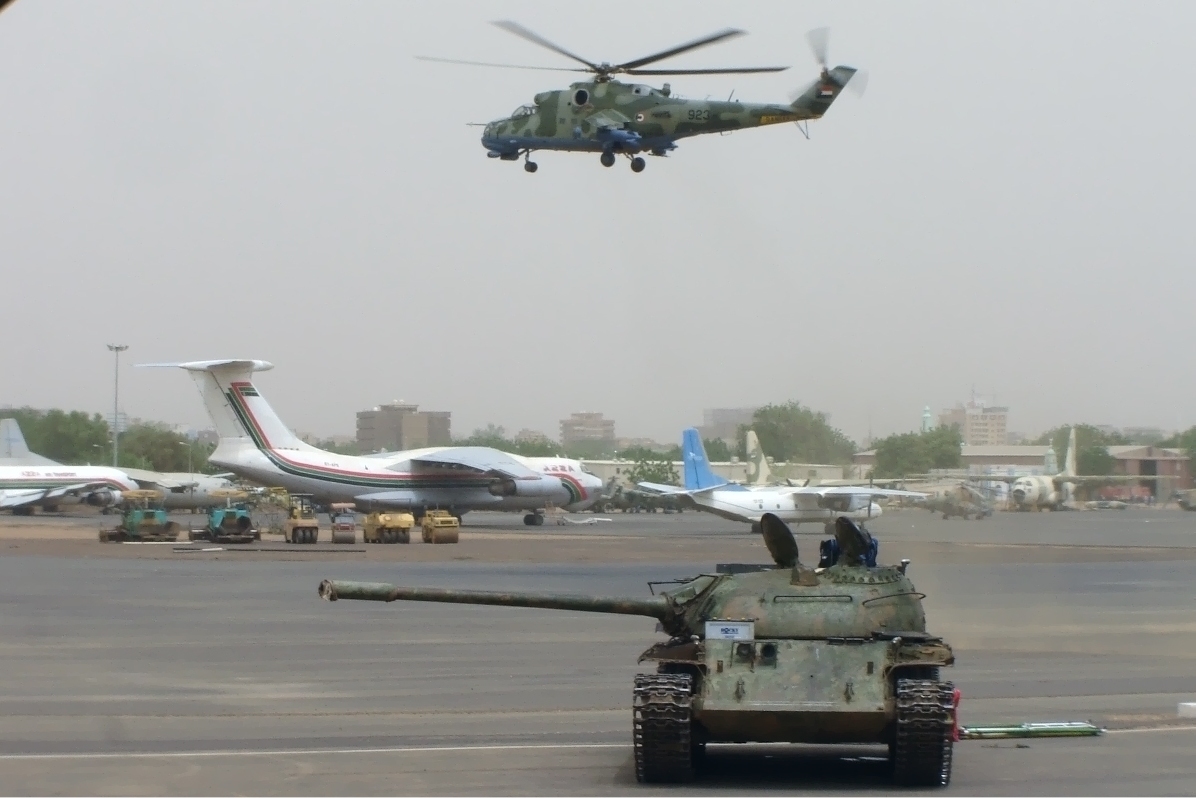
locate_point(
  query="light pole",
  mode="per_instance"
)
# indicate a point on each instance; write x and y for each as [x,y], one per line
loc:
[187,443]
[116,349]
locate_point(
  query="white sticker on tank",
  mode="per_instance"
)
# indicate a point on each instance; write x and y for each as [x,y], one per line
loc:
[730,630]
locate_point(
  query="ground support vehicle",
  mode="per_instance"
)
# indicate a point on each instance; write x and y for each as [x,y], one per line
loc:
[301,525]
[388,527]
[143,520]
[344,523]
[440,526]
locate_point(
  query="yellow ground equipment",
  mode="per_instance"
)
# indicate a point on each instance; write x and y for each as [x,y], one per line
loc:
[440,526]
[143,520]
[388,527]
[344,523]
[301,526]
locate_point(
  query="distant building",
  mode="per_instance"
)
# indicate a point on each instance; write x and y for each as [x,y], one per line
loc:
[980,424]
[1172,465]
[724,423]
[531,436]
[401,425]
[587,426]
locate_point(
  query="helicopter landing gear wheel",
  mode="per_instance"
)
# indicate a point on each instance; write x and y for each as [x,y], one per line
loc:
[637,164]
[607,159]
[530,166]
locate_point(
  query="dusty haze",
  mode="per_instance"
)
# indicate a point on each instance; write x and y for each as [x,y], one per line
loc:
[1008,207]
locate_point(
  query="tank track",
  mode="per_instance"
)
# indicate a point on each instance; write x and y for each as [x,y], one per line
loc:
[923,742]
[662,713]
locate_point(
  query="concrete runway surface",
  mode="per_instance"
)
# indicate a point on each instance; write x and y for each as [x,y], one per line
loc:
[158,673]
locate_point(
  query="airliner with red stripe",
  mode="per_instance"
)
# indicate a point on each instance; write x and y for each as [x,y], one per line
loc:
[255,444]
[23,488]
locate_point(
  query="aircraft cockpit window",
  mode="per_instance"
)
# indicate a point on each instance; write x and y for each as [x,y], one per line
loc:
[523,110]
[586,470]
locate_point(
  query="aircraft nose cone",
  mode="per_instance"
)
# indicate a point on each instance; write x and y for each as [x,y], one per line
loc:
[1019,495]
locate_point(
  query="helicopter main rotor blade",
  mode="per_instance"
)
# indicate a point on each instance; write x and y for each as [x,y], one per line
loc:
[729,71]
[501,66]
[725,33]
[524,33]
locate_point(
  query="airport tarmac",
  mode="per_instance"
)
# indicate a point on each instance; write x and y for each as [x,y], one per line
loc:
[139,670]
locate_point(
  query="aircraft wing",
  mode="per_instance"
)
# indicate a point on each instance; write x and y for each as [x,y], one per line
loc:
[22,498]
[152,479]
[854,490]
[673,490]
[477,458]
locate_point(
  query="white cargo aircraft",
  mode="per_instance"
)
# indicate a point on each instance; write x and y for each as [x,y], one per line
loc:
[180,491]
[255,444]
[1055,491]
[791,503]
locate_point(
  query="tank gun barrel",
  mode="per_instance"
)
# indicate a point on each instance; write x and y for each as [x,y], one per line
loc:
[657,607]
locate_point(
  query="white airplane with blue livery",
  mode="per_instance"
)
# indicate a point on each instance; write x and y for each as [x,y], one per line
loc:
[794,504]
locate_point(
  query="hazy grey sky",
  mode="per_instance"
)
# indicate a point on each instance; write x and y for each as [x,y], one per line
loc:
[1008,207]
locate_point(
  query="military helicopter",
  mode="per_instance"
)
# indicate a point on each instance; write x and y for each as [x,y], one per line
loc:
[610,117]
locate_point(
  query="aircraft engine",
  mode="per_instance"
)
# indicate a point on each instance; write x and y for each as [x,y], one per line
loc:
[543,487]
[104,498]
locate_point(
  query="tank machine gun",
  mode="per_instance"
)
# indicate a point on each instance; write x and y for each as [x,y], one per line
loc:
[829,655]
[610,117]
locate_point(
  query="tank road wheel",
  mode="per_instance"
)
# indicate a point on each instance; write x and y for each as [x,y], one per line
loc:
[607,159]
[662,727]
[921,749]
[637,164]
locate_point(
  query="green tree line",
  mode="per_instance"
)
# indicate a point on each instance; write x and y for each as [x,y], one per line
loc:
[77,438]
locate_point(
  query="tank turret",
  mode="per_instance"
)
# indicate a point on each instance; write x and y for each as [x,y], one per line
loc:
[832,654]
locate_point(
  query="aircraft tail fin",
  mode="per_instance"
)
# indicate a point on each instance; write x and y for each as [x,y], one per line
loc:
[815,100]
[13,447]
[758,472]
[1069,460]
[698,474]
[241,415]
[12,442]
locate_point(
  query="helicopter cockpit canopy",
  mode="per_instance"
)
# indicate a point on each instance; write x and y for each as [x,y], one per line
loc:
[640,90]
[522,111]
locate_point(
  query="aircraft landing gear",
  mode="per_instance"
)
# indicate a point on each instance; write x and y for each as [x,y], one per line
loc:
[607,159]
[533,519]
[529,165]
[637,164]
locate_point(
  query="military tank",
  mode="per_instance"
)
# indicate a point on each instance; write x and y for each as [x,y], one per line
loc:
[836,653]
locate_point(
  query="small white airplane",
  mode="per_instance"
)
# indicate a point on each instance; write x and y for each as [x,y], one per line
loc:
[793,504]
[180,491]
[257,445]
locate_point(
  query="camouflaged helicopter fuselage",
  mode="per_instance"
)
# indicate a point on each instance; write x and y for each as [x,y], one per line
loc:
[611,116]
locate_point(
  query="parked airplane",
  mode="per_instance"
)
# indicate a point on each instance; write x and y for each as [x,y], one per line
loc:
[23,488]
[180,490]
[794,504]
[255,444]
[1056,491]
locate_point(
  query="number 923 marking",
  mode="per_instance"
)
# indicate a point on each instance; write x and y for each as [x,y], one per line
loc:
[699,116]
